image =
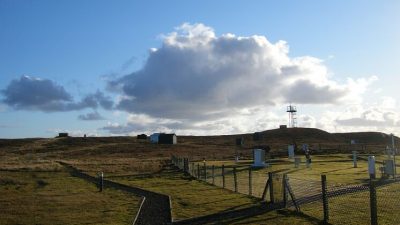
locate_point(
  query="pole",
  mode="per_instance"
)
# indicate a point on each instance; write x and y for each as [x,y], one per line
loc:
[101,181]
[284,192]
[235,179]
[213,174]
[324,198]
[198,171]
[205,172]
[250,182]
[271,188]
[394,150]
[223,176]
[373,203]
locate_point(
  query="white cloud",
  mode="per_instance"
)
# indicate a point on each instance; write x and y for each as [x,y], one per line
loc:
[198,76]
[199,83]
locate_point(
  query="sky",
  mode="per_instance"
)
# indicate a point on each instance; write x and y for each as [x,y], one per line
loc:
[106,68]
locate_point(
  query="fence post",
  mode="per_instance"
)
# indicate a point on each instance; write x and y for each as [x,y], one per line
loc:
[213,174]
[271,187]
[198,171]
[205,172]
[324,198]
[186,166]
[235,179]
[101,182]
[284,192]
[223,176]
[250,182]
[373,203]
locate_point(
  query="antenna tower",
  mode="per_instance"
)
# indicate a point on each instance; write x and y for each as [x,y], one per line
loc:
[291,109]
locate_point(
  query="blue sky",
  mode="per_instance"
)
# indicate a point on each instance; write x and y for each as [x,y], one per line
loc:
[82,47]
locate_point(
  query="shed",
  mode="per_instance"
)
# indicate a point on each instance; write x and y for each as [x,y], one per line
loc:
[167,139]
[282,126]
[154,137]
[63,135]
[142,136]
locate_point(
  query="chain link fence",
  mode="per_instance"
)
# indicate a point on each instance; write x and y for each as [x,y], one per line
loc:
[375,203]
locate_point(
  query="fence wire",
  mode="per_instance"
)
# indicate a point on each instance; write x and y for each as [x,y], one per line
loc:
[388,201]
[341,204]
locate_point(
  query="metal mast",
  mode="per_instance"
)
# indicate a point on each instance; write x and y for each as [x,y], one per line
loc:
[291,109]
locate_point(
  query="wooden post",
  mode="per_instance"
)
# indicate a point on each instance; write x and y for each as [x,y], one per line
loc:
[198,171]
[373,203]
[101,181]
[271,187]
[250,182]
[213,174]
[223,176]
[265,189]
[205,171]
[235,179]
[284,192]
[325,198]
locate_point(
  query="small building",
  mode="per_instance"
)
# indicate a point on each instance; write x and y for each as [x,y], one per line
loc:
[282,126]
[154,137]
[142,136]
[167,139]
[63,135]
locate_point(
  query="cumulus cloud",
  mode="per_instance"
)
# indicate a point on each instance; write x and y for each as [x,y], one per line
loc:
[245,120]
[199,76]
[381,116]
[372,117]
[91,116]
[30,93]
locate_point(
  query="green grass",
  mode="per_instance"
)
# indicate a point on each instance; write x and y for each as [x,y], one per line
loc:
[57,198]
[190,198]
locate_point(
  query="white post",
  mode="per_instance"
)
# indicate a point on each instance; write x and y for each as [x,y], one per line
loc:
[371,167]
[355,159]
[297,161]
[291,151]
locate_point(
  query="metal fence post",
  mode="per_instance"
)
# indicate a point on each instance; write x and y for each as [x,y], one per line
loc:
[223,176]
[250,182]
[235,179]
[324,198]
[373,203]
[213,174]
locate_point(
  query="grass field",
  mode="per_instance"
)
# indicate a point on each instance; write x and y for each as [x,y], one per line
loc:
[30,197]
[36,189]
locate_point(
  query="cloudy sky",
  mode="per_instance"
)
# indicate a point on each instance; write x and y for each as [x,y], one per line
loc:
[209,67]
